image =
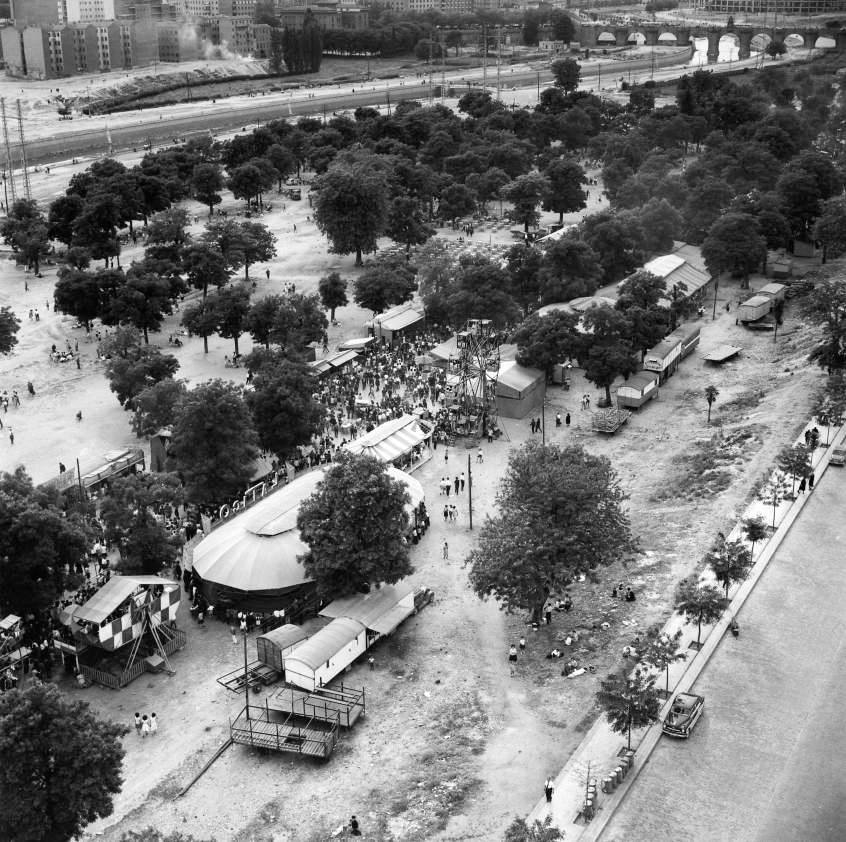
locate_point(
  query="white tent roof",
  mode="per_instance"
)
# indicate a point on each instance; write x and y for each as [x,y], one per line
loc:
[259,549]
[390,440]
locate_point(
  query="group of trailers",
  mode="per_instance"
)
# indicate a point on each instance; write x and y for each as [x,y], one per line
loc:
[659,363]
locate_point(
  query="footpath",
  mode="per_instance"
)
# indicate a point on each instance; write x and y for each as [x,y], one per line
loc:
[602,752]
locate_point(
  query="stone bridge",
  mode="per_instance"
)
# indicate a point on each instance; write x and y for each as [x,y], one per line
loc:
[598,35]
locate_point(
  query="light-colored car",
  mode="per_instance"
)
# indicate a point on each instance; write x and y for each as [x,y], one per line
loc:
[838,457]
[683,715]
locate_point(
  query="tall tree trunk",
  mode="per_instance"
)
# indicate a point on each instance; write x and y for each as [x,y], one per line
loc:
[146,336]
[608,393]
[358,260]
[205,344]
[236,344]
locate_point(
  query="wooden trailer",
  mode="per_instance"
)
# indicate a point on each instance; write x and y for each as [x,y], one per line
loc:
[639,389]
[664,358]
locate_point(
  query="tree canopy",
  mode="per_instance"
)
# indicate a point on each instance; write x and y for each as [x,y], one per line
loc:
[214,442]
[354,525]
[561,513]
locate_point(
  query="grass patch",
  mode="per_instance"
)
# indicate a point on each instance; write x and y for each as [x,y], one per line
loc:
[709,467]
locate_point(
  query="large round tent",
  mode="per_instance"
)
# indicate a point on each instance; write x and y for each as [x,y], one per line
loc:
[252,561]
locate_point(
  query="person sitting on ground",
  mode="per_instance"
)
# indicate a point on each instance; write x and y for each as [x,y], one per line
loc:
[555,653]
[630,595]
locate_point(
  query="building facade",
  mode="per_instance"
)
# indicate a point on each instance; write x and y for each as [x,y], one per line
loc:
[81,11]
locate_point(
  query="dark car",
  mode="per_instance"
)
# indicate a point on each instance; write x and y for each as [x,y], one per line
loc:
[683,715]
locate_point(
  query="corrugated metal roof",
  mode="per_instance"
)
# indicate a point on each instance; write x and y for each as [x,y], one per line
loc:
[368,608]
[401,320]
[663,265]
[317,650]
[688,278]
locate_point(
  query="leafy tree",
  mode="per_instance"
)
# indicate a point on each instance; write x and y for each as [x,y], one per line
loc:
[95,227]
[155,407]
[228,236]
[140,368]
[825,306]
[214,442]
[565,194]
[617,240]
[354,525]
[142,301]
[608,352]
[261,317]
[801,199]
[131,513]
[734,244]
[538,831]
[566,73]
[231,305]
[62,216]
[9,326]
[545,341]
[730,561]
[795,461]
[283,161]
[206,184]
[711,393]
[205,264]
[570,269]
[661,650]
[480,290]
[246,182]
[167,235]
[61,765]
[39,540]
[661,223]
[699,603]
[201,319]
[830,228]
[642,289]
[86,295]
[298,321]
[25,230]
[258,245]
[406,224]
[629,702]
[560,514]
[526,193]
[456,201]
[754,529]
[383,284]
[284,411]
[706,202]
[332,289]
[775,49]
[351,204]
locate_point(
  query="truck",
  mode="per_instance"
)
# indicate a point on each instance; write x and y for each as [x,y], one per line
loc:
[664,358]
[754,309]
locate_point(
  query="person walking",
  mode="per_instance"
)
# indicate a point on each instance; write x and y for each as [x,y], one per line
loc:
[462,480]
[145,726]
[154,724]
[138,724]
[548,789]
[480,456]
[557,419]
[446,550]
[567,419]
[457,484]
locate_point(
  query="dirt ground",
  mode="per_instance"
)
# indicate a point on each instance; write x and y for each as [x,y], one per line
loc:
[452,745]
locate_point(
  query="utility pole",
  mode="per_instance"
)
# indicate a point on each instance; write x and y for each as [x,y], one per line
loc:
[470,492]
[484,56]
[8,152]
[23,151]
[498,58]
[430,70]
[538,86]
[599,76]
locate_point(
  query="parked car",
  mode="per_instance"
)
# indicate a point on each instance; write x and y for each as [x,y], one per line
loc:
[838,457]
[683,715]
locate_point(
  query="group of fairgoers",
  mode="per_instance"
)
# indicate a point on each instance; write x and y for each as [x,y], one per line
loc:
[145,725]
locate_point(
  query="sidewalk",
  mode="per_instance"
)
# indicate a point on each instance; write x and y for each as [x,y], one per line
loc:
[598,754]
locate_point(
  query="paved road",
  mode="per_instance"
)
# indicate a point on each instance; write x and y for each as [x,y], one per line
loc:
[87,136]
[766,761]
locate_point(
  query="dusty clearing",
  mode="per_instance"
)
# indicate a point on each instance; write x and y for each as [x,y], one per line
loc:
[451,745]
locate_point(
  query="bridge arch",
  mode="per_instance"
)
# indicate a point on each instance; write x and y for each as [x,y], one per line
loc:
[668,39]
[759,41]
[606,38]
[637,38]
[797,40]
[825,42]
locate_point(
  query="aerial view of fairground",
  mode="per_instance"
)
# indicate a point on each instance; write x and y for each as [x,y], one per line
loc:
[407,421]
